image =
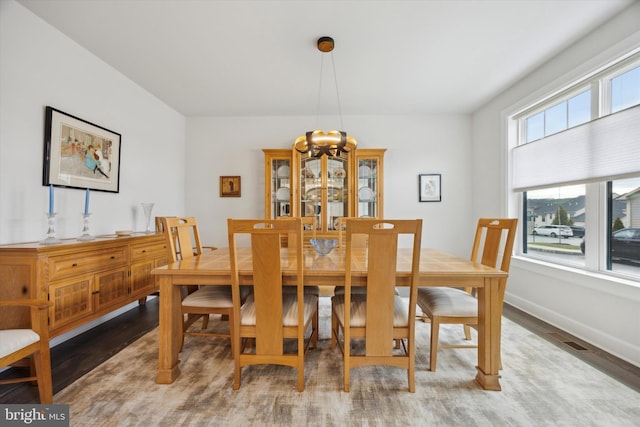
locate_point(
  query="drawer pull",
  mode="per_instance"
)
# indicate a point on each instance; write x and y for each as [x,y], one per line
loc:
[144,251]
[113,257]
[75,264]
[95,292]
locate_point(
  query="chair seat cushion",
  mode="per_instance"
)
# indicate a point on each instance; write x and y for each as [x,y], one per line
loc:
[12,340]
[311,290]
[210,296]
[289,309]
[359,310]
[450,302]
[214,296]
[339,290]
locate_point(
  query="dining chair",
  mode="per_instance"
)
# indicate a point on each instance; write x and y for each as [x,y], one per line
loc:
[270,317]
[309,227]
[183,241]
[446,305]
[380,316]
[17,344]
[159,225]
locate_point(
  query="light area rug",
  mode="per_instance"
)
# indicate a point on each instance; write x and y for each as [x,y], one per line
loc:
[542,385]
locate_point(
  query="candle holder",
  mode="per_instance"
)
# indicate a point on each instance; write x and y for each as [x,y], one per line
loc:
[86,235]
[147,207]
[51,231]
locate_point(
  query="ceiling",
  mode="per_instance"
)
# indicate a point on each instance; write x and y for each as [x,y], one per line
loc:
[237,58]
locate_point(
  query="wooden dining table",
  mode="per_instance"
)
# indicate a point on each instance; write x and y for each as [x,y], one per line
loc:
[437,268]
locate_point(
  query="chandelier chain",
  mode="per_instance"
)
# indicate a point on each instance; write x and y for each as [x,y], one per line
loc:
[319,92]
[335,80]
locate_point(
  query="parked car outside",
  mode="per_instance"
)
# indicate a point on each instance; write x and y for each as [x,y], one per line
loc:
[553,231]
[577,230]
[625,245]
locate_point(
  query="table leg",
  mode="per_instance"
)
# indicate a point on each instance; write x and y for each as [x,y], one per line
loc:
[489,330]
[169,331]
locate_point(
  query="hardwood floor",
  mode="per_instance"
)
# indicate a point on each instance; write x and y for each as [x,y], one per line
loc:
[79,355]
[73,358]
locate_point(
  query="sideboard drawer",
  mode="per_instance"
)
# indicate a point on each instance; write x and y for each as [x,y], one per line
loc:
[148,250]
[67,265]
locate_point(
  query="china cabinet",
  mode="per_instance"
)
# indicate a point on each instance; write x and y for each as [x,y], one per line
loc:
[327,188]
[83,280]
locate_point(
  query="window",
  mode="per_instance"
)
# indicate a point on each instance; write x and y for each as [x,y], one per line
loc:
[625,90]
[555,224]
[561,116]
[575,159]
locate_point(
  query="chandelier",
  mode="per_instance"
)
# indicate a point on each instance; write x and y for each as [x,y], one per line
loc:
[316,143]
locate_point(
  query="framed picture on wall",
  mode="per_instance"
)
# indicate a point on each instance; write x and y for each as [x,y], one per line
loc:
[80,154]
[229,186]
[429,187]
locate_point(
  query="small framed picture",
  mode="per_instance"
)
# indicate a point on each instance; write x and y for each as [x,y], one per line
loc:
[429,187]
[80,154]
[229,186]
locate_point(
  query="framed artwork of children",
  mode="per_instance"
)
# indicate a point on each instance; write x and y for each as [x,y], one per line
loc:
[229,186]
[80,154]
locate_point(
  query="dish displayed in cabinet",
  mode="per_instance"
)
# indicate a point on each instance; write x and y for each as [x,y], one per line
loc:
[282,195]
[283,171]
[365,194]
[364,171]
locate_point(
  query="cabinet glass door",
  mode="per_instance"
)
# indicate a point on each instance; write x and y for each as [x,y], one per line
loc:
[368,190]
[280,188]
[324,190]
[311,188]
[337,191]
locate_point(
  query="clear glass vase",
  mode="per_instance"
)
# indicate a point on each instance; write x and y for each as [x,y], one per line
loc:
[147,207]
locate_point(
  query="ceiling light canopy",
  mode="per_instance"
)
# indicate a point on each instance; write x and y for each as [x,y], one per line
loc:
[316,143]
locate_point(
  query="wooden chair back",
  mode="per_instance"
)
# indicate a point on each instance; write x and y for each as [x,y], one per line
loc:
[358,240]
[182,236]
[266,325]
[381,259]
[309,228]
[494,238]
[381,326]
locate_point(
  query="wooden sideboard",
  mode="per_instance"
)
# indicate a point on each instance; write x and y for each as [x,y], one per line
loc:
[84,280]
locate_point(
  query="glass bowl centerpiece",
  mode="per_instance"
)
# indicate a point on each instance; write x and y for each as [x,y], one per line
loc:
[323,246]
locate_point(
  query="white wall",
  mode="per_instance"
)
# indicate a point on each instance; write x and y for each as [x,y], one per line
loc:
[596,308]
[415,144]
[40,66]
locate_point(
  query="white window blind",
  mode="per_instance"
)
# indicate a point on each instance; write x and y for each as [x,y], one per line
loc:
[603,149]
